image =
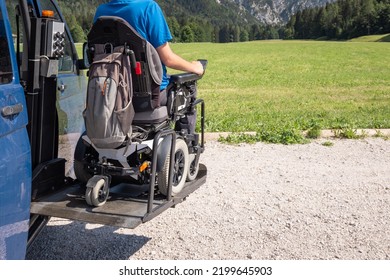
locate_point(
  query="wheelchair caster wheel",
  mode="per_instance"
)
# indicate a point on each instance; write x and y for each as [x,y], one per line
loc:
[193,169]
[97,191]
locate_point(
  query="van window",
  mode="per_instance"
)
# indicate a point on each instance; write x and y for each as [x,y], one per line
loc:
[18,38]
[6,74]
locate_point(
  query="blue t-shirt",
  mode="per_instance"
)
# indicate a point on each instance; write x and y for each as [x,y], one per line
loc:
[146,17]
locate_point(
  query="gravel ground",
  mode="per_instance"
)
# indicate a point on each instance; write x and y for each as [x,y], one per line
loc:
[260,201]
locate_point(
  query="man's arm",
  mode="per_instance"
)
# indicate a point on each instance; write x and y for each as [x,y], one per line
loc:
[172,60]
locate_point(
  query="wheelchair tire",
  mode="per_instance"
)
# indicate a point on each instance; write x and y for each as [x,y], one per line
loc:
[81,174]
[180,170]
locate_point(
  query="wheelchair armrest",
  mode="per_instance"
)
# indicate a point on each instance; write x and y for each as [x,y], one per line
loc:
[188,77]
[184,78]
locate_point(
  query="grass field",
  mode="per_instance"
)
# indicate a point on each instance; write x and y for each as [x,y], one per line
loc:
[281,88]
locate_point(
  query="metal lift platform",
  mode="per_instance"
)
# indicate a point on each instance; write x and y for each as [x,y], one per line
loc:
[127,206]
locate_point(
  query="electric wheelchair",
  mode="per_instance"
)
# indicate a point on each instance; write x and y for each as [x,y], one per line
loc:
[161,154]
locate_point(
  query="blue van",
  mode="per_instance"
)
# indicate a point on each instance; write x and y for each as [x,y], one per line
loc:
[38,113]
[42,98]
[15,155]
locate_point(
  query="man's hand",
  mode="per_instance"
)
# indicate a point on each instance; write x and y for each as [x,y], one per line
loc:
[198,68]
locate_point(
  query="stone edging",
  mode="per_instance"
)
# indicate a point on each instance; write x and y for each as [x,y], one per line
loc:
[326,133]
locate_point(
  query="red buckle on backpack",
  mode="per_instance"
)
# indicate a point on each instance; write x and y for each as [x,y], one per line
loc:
[138,69]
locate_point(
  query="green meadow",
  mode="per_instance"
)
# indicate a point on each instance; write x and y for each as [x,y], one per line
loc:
[282,88]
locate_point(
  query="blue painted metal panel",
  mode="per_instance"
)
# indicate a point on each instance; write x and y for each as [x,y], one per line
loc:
[15,194]
[15,162]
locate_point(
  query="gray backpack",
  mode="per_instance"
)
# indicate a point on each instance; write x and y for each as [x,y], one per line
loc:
[109,110]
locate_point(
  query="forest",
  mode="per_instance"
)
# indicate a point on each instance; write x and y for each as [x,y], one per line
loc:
[344,19]
[206,21]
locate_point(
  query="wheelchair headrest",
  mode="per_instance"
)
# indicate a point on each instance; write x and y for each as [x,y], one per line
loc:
[118,32]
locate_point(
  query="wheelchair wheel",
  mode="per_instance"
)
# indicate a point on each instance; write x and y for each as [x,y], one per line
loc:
[97,191]
[180,170]
[192,170]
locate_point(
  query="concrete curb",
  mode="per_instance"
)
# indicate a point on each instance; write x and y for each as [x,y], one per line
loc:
[326,133]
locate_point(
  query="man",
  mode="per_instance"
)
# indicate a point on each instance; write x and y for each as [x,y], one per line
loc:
[147,18]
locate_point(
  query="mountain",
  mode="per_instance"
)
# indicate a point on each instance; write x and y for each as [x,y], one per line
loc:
[212,11]
[237,11]
[217,12]
[206,20]
[274,11]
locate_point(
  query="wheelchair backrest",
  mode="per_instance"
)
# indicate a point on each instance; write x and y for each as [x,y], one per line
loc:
[146,68]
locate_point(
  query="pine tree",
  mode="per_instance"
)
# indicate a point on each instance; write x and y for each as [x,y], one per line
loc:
[187,35]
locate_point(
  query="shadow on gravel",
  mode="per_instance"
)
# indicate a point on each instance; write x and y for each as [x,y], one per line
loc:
[79,241]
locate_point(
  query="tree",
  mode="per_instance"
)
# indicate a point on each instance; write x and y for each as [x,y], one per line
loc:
[216,34]
[382,23]
[271,33]
[77,33]
[186,34]
[235,31]
[198,31]
[367,16]
[224,34]
[256,32]
[174,27]
[244,35]
[289,30]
